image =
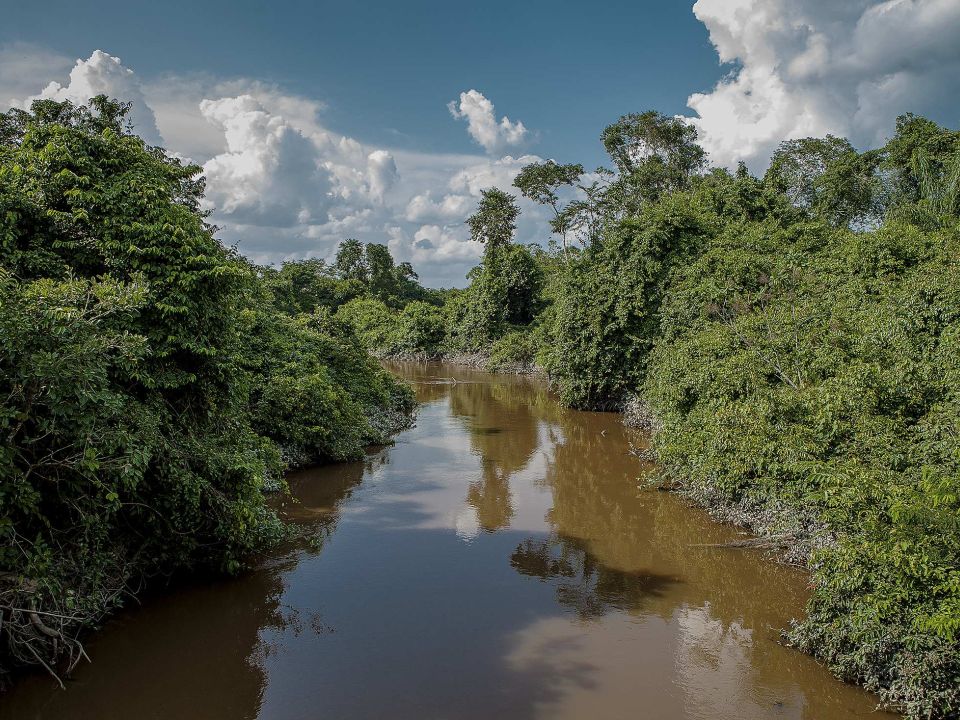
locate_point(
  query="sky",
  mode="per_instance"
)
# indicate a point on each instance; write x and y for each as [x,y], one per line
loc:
[319,121]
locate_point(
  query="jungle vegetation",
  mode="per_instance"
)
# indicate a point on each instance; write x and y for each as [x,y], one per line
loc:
[793,340]
[153,383]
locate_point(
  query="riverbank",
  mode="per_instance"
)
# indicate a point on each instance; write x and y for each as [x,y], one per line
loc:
[152,381]
[782,531]
[794,530]
[501,522]
[474,360]
[912,666]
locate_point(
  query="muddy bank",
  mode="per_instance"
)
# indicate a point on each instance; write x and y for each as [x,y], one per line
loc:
[474,361]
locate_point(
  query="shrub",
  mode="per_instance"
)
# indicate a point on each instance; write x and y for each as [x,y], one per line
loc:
[420,330]
[147,380]
[808,377]
[516,350]
[373,322]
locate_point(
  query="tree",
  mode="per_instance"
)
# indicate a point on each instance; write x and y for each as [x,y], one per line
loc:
[139,461]
[381,271]
[495,220]
[654,153]
[405,273]
[151,381]
[408,287]
[939,191]
[540,181]
[350,263]
[919,147]
[826,177]
[305,285]
[523,282]
[371,269]
[505,287]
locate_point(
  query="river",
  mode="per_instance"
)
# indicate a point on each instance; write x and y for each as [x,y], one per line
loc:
[502,560]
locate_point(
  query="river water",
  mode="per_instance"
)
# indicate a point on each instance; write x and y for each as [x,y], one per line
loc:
[502,560]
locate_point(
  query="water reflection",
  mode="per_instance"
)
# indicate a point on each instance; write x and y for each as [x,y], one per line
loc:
[199,650]
[499,561]
[583,583]
[504,433]
[612,547]
[490,497]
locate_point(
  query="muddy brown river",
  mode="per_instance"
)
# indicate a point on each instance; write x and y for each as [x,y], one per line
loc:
[502,560]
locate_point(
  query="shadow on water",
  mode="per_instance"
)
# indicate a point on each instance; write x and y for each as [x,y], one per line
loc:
[499,561]
[199,650]
[582,582]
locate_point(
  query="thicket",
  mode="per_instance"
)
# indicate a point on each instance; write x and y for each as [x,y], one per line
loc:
[807,383]
[494,314]
[793,339]
[152,383]
[805,380]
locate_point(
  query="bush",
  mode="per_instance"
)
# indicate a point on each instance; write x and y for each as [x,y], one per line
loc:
[420,330]
[516,350]
[148,380]
[606,312]
[807,377]
[371,320]
[318,395]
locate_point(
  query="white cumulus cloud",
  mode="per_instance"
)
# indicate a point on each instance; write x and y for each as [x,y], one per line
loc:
[499,173]
[482,122]
[270,174]
[281,186]
[103,74]
[450,207]
[432,243]
[443,252]
[381,173]
[812,67]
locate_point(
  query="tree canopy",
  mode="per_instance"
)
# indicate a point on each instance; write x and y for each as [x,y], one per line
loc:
[793,342]
[153,384]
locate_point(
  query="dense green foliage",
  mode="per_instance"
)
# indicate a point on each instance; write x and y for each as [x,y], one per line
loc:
[807,380]
[795,340]
[505,292]
[151,381]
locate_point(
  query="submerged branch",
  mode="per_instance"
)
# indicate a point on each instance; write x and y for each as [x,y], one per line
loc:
[777,541]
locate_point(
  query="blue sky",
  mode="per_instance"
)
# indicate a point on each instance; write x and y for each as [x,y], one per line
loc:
[317,121]
[386,70]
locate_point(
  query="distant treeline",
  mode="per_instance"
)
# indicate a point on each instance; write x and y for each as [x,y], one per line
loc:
[153,384]
[793,341]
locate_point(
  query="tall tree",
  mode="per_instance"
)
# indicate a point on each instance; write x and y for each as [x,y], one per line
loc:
[381,271]
[495,220]
[505,287]
[826,177]
[350,263]
[919,148]
[540,182]
[654,153]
